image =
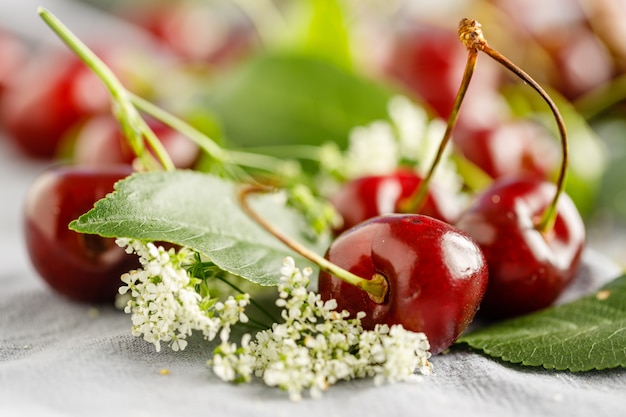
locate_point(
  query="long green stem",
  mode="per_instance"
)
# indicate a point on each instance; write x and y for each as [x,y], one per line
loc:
[204,142]
[127,108]
[376,287]
[209,146]
[474,38]
[134,127]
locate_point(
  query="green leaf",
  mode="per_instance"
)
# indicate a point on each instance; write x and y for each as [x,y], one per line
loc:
[199,211]
[325,33]
[286,99]
[611,193]
[586,334]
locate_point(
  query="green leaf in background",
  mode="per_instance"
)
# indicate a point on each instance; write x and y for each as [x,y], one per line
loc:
[199,211]
[325,33]
[612,193]
[286,99]
[586,334]
[587,156]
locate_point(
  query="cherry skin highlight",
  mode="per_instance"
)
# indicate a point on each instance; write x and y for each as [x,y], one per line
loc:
[437,275]
[528,269]
[82,267]
[375,195]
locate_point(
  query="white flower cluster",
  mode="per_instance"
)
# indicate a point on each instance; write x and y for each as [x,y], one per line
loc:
[380,147]
[314,347]
[317,346]
[164,302]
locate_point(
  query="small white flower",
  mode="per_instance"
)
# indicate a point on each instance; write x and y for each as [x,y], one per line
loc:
[164,304]
[315,347]
[318,346]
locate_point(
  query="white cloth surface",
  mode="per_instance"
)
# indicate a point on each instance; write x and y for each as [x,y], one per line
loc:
[60,358]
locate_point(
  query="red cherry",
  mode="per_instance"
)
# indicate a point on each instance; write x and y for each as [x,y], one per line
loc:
[511,148]
[429,61]
[13,55]
[195,31]
[100,142]
[528,269]
[50,95]
[436,275]
[581,44]
[82,267]
[371,196]
[566,33]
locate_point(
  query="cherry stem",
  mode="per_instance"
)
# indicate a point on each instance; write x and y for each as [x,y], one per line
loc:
[134,127]
[415,202]
[128,105]
[376,287]
[229,158]
[471,35]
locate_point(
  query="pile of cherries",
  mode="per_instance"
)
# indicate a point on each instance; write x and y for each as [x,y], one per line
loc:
[512,251]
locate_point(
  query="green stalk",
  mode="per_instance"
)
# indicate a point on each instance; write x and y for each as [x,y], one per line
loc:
[415,202]
[209,146]
[133,125]
[205,143]
[474,37]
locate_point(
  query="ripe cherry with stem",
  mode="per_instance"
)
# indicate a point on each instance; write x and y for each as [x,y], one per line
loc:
[406,269]
[436,288]
[529,230]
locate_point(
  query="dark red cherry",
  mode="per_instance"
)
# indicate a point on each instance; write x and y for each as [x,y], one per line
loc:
[82,267]
[436,275]
[52,93]
[13,54]
[371,196]
[198,32]
[428,60]
[514,148]
[528,269]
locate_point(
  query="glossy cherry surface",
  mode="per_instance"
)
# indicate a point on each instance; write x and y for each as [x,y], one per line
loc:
[80,266]
[374,195]
[437,275]
[528,269]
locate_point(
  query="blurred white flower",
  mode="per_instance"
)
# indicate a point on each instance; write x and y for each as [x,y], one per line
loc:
[410,138]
